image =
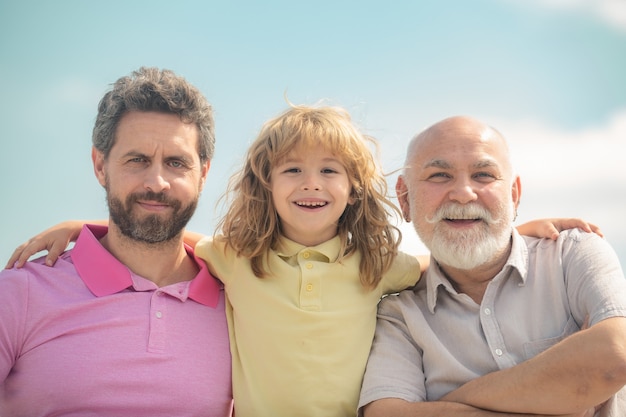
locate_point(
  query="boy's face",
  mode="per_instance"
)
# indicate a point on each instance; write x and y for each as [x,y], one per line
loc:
[310,190]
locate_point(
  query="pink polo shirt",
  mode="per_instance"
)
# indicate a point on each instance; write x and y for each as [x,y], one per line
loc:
[89,337]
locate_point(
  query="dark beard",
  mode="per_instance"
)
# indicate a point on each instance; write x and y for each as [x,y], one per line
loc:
[153,228]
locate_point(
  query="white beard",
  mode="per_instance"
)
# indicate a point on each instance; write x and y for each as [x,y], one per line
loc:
[472,248]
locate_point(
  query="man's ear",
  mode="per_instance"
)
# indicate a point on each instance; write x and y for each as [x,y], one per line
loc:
[402,192]
[97,158]
[204,170]
[516,191]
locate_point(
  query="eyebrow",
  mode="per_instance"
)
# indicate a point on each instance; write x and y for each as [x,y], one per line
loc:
[299,159]
[437,163]
[486,163]
[443,164]
[134,154]
[181,157]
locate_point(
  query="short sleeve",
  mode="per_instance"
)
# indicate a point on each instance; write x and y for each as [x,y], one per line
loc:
[219,260]
[595,280]
[394,368]
[404,273]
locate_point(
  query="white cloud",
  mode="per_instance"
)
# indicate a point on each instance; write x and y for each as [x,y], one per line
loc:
[613,12]
[573,173]
[551,157]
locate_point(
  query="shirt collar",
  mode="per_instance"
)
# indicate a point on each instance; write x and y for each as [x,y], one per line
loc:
[518,260]
[104,275]
[329,250]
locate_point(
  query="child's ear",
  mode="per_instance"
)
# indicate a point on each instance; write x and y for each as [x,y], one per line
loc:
[354,195]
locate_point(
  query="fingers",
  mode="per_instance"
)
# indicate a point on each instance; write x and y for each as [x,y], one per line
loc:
[596,229]
[586,226]
[571,223]
[553,232]
[54,252]
[550,228]
[23,252]
[16,258]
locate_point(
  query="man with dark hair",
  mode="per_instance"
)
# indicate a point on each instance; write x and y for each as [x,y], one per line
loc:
[128,322]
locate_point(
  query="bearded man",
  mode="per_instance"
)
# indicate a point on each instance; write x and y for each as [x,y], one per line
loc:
[128,322]
[501,324]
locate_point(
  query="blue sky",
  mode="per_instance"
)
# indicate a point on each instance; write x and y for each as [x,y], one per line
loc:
[549,74]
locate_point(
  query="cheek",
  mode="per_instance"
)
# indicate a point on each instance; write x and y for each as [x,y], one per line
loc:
[274,196]
[424,205]
[278,201]
[120,184]
[429,195]
[346,189]
[495,199]
[275,193]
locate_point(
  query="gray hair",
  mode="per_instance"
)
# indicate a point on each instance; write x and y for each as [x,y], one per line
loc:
[152,89]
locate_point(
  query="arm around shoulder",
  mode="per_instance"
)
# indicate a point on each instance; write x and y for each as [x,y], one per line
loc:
[55,240]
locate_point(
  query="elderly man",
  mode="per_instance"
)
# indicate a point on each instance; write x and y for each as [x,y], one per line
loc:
[128,322]
[494,327]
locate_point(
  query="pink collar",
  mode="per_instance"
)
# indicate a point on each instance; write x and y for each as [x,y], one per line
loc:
[105,275]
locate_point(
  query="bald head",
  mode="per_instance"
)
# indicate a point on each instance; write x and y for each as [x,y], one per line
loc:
[456,132]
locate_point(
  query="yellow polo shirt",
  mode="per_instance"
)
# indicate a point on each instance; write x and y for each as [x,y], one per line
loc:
[300,337]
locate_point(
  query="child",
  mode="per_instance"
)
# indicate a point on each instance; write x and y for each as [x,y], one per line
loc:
[306,252]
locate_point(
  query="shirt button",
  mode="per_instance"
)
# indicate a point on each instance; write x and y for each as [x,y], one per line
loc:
[488,311]
[309,266]
[158,314]
[498,352]
[309,287]
[306,255]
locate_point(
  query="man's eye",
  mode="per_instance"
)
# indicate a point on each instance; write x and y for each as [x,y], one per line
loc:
[484,176]
[176,164]
[137,160]
[438,176]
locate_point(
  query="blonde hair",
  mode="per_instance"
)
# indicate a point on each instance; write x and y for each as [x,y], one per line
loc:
[252,227]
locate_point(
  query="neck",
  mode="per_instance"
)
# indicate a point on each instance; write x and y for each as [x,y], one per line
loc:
[473,282]
[163,263]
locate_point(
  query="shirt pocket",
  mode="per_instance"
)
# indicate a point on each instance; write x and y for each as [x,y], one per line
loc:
[532,349]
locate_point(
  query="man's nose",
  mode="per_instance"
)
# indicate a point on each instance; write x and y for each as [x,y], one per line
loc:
[462,191]
[156,179]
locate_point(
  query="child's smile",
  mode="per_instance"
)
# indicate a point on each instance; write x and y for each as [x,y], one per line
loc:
[311,204]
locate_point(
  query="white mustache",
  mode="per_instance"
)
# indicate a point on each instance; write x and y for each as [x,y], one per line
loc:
[455,211]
